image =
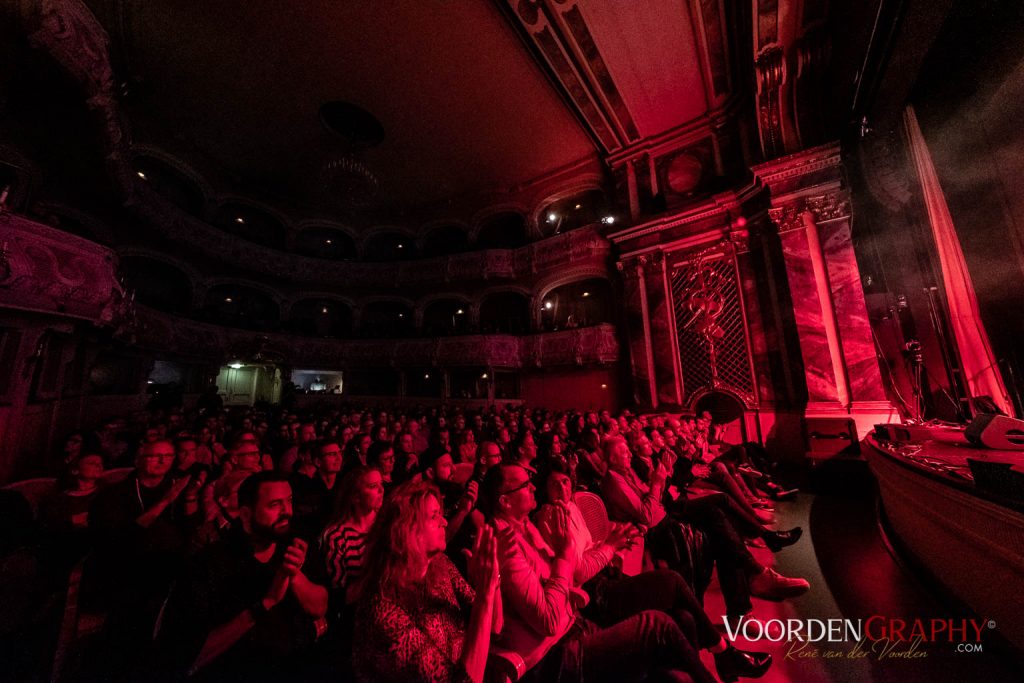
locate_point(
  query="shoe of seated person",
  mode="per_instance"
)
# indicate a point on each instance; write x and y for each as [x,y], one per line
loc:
[770,585]
[765,516]
[733,663]
[777,540]
[755,543]
[780,493]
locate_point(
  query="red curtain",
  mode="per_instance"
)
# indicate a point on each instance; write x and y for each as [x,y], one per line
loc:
[976,358]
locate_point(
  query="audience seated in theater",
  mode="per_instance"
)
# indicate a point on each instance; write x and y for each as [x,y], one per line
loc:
[249,607]
[418,619]
[407,454]
[457,500]
[140,528]
[382,458]
[182,507]
[343,542]
[542,622]
[64,517]
[314,495]
[615,596]
[631,500]
[222,514]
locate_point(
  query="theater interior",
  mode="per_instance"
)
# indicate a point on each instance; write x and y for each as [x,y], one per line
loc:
[796,215]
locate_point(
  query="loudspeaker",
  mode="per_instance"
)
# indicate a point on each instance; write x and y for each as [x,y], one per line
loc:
[996,431]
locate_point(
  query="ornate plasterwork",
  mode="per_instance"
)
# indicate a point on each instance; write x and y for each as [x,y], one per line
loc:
[182,337]
[50,271]
[822,208]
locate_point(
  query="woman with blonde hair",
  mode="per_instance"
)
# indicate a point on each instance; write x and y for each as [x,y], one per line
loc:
[417,618]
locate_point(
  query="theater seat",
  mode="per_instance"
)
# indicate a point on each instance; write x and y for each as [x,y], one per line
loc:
[35,491]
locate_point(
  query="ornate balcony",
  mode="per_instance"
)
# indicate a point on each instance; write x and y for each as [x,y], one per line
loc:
[186,338]
[46,270]
[580,248]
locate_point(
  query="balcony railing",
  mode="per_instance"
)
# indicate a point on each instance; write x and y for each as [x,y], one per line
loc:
[46,270]
[182,337]
[583,247]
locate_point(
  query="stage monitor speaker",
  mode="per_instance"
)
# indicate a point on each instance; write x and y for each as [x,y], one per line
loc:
[996,431]
[825,437]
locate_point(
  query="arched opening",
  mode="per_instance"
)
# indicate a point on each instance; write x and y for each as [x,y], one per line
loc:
[445,239]
[387,319]
[320,318]
[505,230]
[326,243]
[252,224]
[241,306]
[505,313]
[157,284]
[577,304]
[446,317]
[171,184]
[389,246]
[577,211]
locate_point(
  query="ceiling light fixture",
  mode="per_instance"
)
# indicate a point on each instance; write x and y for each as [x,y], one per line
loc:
[227,299]
[548,305]
[327,241]
[552,217]
[323,310]
[586,293]
[236,366]
[459,312]
[426,376]
[579,206]
[608,220]
[239,220]
[141,174]
[483,376]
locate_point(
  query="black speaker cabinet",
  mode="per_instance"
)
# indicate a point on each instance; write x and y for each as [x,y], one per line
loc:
[825,437]
[996,431]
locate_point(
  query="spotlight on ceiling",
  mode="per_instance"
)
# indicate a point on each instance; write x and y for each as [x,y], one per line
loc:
[459,312]
[548,305]
[323,310]
[483,376]
[578,207]
[141,174]
[239,220]
[586,293]
[401,315]
[236,366]
[327,241]
[426,376]
[552,217]
[604,386]
[149,381]
[608,220]
[401,246]
[228,299]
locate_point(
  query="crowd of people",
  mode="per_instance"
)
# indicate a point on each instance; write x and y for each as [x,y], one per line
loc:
[434,545]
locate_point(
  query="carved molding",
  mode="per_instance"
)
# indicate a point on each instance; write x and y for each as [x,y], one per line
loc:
[181,337]
[50,271]
[825,207]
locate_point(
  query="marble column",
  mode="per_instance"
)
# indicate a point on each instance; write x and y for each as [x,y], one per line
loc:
[831,213]
[811,310]
[662,331]
[638,332]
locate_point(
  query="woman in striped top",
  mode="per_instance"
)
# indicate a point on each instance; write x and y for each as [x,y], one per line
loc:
[343,543]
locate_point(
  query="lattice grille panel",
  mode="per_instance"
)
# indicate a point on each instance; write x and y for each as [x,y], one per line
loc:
[694,284]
